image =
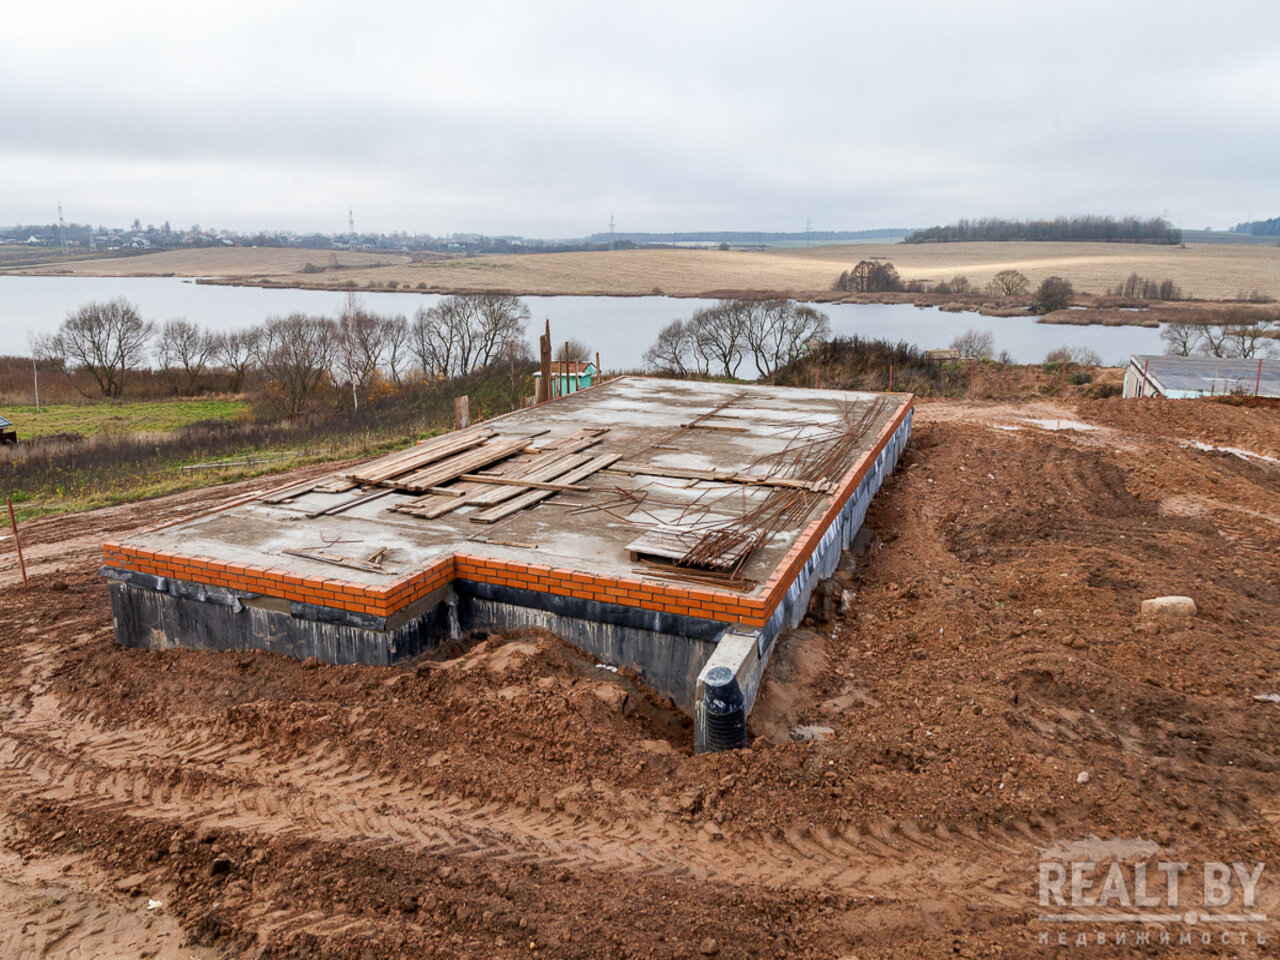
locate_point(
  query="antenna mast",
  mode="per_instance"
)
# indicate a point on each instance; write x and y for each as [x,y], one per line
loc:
[613,244]
[62,229]
[351,230]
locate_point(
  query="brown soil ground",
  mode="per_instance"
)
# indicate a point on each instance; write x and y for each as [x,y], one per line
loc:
[515,801]
[1203,271]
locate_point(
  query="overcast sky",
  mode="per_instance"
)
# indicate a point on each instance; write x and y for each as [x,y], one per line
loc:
[540,118]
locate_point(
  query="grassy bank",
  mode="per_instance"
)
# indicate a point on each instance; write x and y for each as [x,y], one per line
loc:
[105,416]
[116,466]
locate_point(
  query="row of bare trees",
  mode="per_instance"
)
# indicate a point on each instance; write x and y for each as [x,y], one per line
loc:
[291,358]
[1239,334]
[717,339]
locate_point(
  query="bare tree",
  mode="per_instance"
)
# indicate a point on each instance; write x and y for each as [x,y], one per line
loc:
[499,322]
[778,331]
[431,341]
[295,354]
[184,351]
[361,338]
[1215,341]
[870,276]
[978,344]
[672,351]
[107,339]
[235,351]
[1053,294]
[572,351]
[1180,339]
[718,336]
[1008,283]
[462,333]
[1247,338]
[1081,356]
[396,345]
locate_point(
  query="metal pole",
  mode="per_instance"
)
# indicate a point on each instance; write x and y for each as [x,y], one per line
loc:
[35,379]
[1062,390]
[1142,390]
[13,525]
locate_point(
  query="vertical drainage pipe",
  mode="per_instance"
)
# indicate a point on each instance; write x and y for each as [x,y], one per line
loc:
[725,709]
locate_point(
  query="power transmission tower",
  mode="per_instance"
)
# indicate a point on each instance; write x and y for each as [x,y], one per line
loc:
[62,229]
[806,231]
[613,244]
[351,230]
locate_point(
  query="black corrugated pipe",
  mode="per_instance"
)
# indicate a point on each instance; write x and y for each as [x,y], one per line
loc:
[726,710]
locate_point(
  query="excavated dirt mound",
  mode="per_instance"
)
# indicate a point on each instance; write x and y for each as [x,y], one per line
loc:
[520,801]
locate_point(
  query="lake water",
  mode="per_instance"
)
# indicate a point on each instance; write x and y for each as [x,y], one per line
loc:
[620,328]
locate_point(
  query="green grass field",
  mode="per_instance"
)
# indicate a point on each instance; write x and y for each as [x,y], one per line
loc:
[118,416]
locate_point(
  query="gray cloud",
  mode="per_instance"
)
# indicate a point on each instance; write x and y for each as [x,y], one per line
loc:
[542,118]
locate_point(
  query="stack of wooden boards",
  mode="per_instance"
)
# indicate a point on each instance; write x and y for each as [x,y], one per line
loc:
[519,482]
[446,472]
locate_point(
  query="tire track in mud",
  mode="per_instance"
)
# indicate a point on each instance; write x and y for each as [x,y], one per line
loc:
[53,751]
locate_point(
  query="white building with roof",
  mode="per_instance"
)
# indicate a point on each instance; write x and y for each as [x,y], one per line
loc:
[1159,375]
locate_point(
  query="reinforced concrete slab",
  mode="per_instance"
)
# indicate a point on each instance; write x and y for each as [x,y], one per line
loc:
[565,558]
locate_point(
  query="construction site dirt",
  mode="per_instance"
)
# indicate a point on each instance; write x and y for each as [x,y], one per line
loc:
[993,695]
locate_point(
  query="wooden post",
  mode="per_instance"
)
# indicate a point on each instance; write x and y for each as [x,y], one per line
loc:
[544,361]
[891,378]
[566,368]
[599,376]
[1257,386]
[13,525]
[971,378]
[1062,390]
[511,360]
[461,413]
[1142,388]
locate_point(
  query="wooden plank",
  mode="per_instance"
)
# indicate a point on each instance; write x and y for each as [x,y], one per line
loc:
[430,508]
[348,504]
[437,474]
[676,544]
[337,560]
[516,482]
[446,492]
[503,510]
[384,464]
[288,493]
[552,469]
[706,425]
[405,460]
[715,476]
[336,484]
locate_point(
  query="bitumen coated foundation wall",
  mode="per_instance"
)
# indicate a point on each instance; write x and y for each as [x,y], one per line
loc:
[666,650]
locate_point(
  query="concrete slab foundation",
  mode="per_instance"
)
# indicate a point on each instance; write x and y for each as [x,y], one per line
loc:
[224,581]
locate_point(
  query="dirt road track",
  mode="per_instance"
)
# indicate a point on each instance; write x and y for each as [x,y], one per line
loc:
[515,801]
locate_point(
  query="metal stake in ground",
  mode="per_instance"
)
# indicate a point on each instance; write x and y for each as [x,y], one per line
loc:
[13,525]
